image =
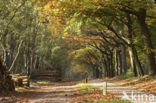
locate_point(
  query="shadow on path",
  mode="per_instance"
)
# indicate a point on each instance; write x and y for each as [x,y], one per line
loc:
[53,92]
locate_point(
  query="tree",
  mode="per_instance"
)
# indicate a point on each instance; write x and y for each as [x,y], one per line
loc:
[116,16]
[6,83]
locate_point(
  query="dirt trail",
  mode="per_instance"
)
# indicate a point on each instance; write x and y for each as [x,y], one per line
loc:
[64,92]
[53,92]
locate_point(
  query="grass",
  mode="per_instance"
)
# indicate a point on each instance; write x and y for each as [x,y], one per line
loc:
[87,88]
[82,84]
[20,89]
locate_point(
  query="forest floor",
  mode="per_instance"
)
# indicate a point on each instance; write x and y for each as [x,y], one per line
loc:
[79,92]
[144,87]
[57,92]
[41,92]
[145,84]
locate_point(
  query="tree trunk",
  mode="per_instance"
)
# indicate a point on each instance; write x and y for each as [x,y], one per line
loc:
[108,65]
[6,82]
[116,62]
[86,79]
[123,51]
[28,72]
[147,41]
[97,72]
[100,72]
[36,64]
[133,66]
[118,68]
[123,60]
[111,65]
[135,63]
[103,72]
[139,69]
[10,60]
[106,68]
[18,52]
[119,62]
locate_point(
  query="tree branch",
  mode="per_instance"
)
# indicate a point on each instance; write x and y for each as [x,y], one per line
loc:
[13,63]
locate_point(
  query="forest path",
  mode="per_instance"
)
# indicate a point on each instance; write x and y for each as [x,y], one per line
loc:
[55,93]
[125,93]
[43,92]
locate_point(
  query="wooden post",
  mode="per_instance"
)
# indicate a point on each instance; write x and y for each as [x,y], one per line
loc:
[86,79]
[104,88]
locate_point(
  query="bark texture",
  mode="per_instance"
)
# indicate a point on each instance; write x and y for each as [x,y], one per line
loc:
[6,82]
[147,41]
